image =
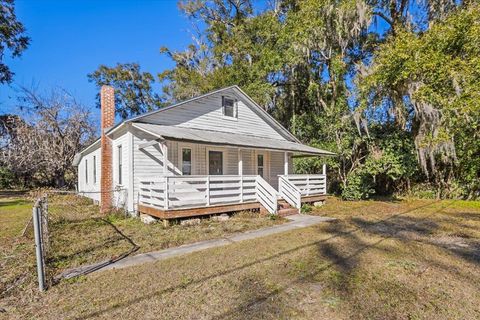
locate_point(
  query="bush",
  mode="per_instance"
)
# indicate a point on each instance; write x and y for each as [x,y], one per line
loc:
[7,178]
[359,186]
[422,191]
[306,208]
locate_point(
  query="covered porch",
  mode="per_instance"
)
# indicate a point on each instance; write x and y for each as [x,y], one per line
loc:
[207,174]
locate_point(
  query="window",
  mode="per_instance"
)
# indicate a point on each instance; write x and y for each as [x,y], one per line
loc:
[119,164]
[86,171]
[215,162]
[229,107]
[94,169]
[186,161]
[260,165]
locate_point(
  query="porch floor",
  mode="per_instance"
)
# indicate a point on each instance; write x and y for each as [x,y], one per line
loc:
[214,209]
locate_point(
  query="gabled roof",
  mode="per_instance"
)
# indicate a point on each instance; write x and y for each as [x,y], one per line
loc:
[264,114]
[226,139]
[291,144]
[78,155]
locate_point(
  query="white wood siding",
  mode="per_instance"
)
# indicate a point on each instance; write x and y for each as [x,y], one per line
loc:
[121,140]
[147,167]
[148,162]
[90,185]
[206,114]
[277,162]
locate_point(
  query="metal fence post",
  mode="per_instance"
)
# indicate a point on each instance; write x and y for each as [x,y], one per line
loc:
[38,245]
[44,215]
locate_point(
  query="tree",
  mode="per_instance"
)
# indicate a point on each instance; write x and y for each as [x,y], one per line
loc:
[379,82]
[12,38]
[430,82]
[40,147]
[292,58]
[134,93]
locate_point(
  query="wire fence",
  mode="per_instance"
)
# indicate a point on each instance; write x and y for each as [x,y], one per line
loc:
[57,207]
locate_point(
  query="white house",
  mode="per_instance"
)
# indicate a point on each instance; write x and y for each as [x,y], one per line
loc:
[219,152]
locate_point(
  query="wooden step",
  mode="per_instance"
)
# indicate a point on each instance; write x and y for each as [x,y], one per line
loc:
[287,212]
[284,205]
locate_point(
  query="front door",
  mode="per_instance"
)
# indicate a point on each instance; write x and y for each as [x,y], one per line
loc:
[215,162]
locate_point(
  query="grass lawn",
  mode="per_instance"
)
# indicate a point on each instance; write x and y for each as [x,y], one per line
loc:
[379,260]
[80,235]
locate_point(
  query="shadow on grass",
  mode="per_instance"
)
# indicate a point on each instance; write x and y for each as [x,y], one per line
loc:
[465,215]
[407,228]
[252,292]
[108,241]
[386,198]
[13,203]
[345,261]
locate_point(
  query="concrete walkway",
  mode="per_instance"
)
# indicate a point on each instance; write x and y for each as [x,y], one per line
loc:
[297,221]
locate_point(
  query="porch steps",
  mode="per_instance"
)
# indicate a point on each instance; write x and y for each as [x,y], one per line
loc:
[284,209]
[287,212]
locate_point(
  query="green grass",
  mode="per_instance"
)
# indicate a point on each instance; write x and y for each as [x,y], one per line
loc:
[80,235]
[416,259]
[14,214]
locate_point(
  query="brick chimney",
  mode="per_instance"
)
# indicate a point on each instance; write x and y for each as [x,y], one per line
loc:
[107,106]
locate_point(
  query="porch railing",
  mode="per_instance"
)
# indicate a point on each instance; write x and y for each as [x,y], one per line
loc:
[309,184]
[266,195]
[176,192]
[289,192]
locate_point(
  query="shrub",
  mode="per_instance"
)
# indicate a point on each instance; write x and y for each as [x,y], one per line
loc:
[7,178]
[306,208]
[359,186]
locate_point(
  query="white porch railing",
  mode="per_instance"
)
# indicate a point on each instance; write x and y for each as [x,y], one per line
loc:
[176,192]
[266,195]
[289,192]
[309,184]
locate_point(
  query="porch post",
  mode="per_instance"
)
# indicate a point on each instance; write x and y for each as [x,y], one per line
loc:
[285,169]
[240,163]
[165,158]
[240,172]
[165,173]
[324,172]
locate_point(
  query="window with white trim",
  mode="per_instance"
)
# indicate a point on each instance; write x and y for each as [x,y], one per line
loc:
[94,169]
[229,107]
[86,171]
[186,161]
[119,157]
[260,165]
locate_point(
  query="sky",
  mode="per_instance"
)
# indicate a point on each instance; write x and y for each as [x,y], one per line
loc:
[71,38]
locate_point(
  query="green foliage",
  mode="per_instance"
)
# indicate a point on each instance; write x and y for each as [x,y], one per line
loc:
[391,159]
[7,178]
[398,107]
[12,38]
[273,216]
[430,82]
[133,89]
[359,186]
[306,208]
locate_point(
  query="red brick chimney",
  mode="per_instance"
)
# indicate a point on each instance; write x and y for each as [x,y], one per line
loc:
[107,106]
